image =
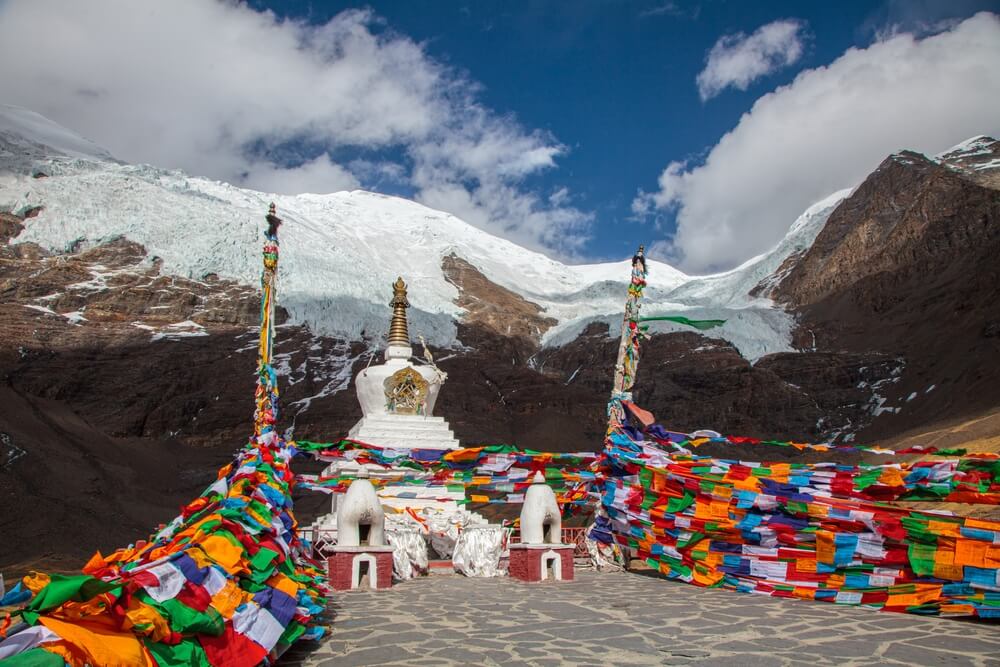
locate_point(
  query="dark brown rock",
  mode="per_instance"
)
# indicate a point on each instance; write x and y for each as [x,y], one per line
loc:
[492,306]
[907,267]
[911,217]
[10,226]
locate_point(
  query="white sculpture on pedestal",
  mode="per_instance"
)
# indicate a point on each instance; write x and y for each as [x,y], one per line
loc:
[541,554]
[361,521]
[541,520]
[361,552]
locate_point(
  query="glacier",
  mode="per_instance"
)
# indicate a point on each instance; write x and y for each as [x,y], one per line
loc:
[342,251]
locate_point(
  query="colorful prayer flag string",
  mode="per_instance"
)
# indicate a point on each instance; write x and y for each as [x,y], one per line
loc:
[817,531]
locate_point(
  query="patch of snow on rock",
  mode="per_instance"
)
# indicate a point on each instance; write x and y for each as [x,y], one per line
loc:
[178,330]
[42,309]
[75,317]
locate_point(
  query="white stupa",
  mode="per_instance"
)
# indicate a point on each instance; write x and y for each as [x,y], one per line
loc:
[398,397]
[397,400]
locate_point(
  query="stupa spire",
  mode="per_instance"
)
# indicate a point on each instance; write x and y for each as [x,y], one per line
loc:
[399,333]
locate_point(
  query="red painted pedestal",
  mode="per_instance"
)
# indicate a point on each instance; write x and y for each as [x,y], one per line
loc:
[347,563]
[541,562]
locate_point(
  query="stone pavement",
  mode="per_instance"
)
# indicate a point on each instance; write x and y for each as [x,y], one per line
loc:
[625,619]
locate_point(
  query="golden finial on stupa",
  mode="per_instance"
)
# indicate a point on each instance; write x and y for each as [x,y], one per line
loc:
[399,333]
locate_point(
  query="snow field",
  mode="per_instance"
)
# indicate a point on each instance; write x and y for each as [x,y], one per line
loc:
[341,252]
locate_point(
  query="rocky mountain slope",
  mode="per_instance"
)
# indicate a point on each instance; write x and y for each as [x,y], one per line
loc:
[908,264]
[128,302]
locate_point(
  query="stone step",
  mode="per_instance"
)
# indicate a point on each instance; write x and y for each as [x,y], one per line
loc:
[390,425]
[395,429]
[378,437]
[405,431]
[409,426]
[407,419]
[407,441]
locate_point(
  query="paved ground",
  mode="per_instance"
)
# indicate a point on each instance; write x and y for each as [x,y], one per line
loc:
[625,619]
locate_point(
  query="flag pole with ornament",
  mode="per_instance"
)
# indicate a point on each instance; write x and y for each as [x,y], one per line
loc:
[628,350]
[228,583]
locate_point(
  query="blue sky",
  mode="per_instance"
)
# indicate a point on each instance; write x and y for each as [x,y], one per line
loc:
[615,81]
[577,128]
[612,81]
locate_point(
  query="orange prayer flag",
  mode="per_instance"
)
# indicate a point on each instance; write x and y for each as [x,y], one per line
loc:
[948,528]
[36,581]
[970,552]
[99,642]
[95,563]
[825,547]
[468,454]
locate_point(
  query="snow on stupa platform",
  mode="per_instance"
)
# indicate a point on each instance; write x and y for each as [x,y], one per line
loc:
[413,431]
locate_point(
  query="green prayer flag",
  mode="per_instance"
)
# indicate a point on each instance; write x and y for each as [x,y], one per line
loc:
[185,620]
[36,657]
[292,633]
[262,559]
[187,652]
[701,325]
[62,588]
[922,558]
[675,505]
[693,538]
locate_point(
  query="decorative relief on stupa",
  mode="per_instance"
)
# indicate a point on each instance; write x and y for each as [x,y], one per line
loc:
[406,392]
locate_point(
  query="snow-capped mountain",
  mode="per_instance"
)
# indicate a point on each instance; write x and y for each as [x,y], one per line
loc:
[135,259]
[342,251]
[128,312]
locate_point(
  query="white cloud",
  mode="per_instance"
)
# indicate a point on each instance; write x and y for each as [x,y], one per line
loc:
[553,224]
[319,175]
[738,60]
[216,89]
[664,9]
[826,131]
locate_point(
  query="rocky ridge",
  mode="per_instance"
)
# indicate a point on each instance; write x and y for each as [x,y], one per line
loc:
[907,265]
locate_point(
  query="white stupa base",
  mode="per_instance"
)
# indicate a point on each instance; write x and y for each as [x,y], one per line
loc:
[404,431]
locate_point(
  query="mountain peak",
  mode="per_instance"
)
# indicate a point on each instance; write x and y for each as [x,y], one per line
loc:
[908,157]
[27,137]
[978,158]
[976,146]
[341,251]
